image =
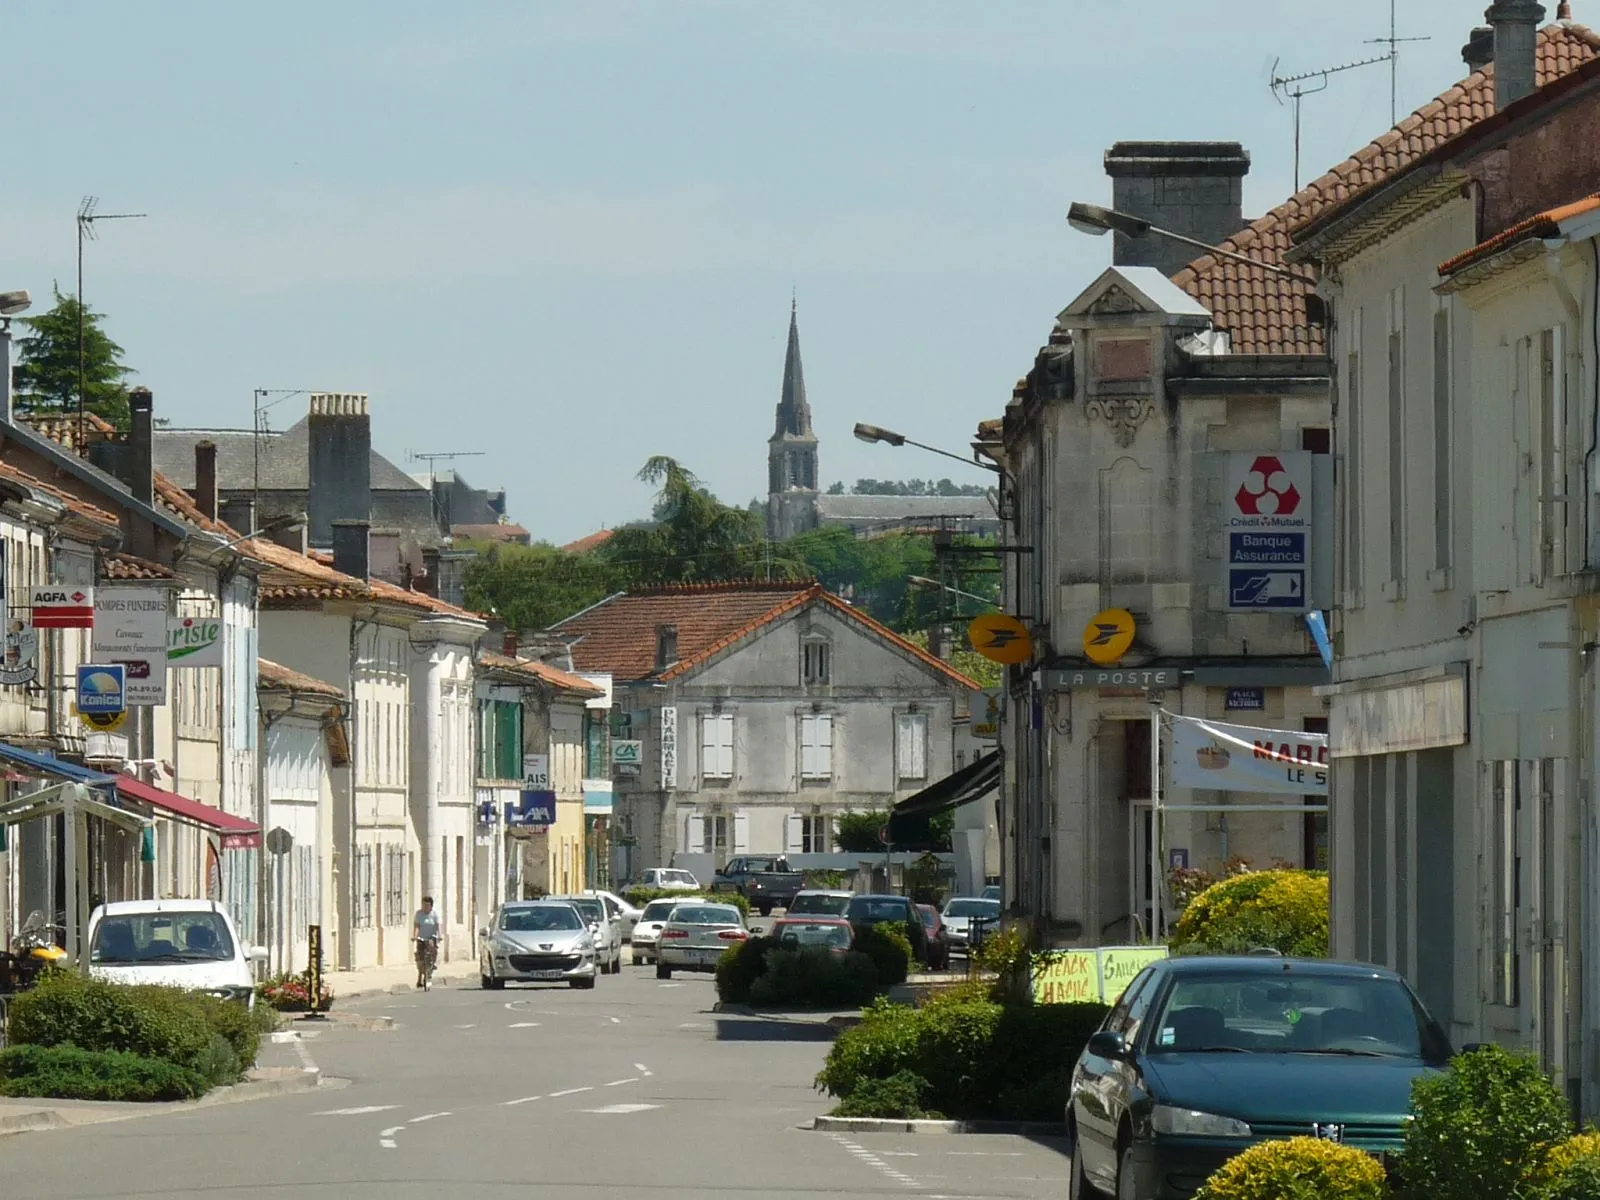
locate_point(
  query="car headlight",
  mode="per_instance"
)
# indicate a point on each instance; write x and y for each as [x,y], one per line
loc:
[1188,1122]
[586,943]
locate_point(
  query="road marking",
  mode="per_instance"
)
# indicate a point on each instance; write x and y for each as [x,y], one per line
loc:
[666,985]
[304,1055]
[524,1100]
[386,1138]
[620,1082]
[622,1108]
[641,1068]
[693,1025]
[473,1026]
[571,1092]
[984,1153]
[525,1025]
[614,1020]
[862,1154]
[898,1153]
[355,1112]
[429,1117]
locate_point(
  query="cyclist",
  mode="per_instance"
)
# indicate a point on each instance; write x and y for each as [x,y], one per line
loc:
[425,929]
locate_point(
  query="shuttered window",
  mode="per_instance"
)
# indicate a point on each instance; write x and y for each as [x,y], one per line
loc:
[816,746]
[911,745]
[716,746]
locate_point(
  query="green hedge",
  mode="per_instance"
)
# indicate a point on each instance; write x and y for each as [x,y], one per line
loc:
[1286,910]
[979,1059]
[888,948]
[814,977]
[740,967]
[640,896]
[68,1073]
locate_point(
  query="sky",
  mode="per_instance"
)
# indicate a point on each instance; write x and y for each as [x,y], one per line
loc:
[563,237]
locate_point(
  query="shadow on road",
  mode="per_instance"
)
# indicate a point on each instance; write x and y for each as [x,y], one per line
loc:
[754,1029]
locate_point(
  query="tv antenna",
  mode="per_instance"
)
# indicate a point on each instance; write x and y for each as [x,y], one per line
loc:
[260,404]
[1295,88]
[431,459]
[1394,42]
[87,216]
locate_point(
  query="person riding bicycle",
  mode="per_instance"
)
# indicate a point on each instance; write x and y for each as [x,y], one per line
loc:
[425,929]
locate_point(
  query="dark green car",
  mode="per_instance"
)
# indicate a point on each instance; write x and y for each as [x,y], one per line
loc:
[1204,1057]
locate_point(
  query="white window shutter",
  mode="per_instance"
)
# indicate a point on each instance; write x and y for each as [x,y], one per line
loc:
[725,745]
[825,746]
[694,832]
[793,833]
[808,747]
[902,746]
[741,833]
[919,746]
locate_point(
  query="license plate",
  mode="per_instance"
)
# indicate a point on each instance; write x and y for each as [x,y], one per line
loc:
[707,956]
[545,974]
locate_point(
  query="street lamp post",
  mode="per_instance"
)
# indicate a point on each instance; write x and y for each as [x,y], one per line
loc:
[876,433]
[1097,221]
[924,581]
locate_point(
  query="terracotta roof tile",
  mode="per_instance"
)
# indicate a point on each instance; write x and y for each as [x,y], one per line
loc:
[1540,225]
[505,531]
[541,672]
[276,677]
[1265,313]
[82,508]
[594,541]
[127,566]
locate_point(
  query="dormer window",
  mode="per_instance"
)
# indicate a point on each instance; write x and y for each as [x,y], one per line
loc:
[815,660]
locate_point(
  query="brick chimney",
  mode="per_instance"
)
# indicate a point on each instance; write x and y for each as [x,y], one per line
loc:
[510,648]
[205,480]
[141,461]
[339,464]
[1192,188]
[351,548]
[666,646]
[1516,48]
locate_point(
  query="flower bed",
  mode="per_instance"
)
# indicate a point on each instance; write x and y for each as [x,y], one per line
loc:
[292,994]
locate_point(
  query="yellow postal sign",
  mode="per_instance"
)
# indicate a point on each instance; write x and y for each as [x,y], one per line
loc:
[1089,976]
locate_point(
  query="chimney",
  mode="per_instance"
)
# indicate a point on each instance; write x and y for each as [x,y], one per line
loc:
[1192,188]
[1516,48]
[1478,53]
[666,646]
[205,479]
[511,641]
[339,463]
[140,461]
[351,548]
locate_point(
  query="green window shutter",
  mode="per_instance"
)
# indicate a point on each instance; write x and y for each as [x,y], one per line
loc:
[508,740]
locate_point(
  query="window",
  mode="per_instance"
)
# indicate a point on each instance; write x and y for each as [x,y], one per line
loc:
[366,890]
[716,746]
[1550,456]
[816,746]
[1442,447]
[1397,445]
[911,745]
[594,745]
[1317,439]
[394,885]
[715,835]
[815,837]
[814,655]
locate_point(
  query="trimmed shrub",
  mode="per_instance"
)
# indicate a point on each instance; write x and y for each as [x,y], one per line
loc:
[1478,1127]
[740,967]
[239,1029]
[68,1073]
[888,948]
[898,1096]
[1570,1170]
[1286,910]
[1301,1168]
[66,1009]
[826,880]
[814,977]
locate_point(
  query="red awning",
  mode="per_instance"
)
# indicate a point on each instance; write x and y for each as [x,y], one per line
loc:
[237,833]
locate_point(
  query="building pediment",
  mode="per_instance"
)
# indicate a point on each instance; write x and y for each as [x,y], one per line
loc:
[1133,296]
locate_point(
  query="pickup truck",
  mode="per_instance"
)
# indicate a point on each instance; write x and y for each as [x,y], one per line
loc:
[764,880]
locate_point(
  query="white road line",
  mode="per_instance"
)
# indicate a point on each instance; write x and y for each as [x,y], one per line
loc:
[620,1082]
[862,1154]
[984,1153]
[898,1153]
[666,985]
[525,1025]
[304,1056]
[355,1112]
[429,1117]
[473,1026]
[641,1068]
[524,1100]
[571,1092]
[386,1138]
[614,1020]
[622,1108]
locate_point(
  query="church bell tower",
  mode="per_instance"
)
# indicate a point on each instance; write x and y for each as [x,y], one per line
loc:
[792,452]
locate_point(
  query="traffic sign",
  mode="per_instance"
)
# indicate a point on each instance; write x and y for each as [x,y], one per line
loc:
[1267,531]
[1108,636]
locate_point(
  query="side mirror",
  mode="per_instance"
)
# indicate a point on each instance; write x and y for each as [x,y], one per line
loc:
[258,954]
[1108,1045]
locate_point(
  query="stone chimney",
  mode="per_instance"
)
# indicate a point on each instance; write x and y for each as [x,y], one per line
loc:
[351,548]
[666,646]
[1516,48]
[1478,53]
[205,479]
[141,461]
[339,466]
[1192,188]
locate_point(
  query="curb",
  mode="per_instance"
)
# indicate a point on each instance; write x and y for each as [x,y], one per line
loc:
[789,1017]
[894,1125]
[30,1122]
[307,1080]
[238,1093]
[400,989]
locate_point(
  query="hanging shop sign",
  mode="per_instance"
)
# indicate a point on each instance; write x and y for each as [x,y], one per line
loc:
[1002,638]
[1108,636]
[19,661]
[102,689]
[986,715]
[59,607]
[1267,531]
[669,748]
[130,627]
[194,642]
[1240,758]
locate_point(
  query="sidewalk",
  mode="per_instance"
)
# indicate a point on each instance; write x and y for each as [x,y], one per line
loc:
[399,978]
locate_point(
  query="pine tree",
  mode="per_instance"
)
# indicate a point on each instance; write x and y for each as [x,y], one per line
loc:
[47,374]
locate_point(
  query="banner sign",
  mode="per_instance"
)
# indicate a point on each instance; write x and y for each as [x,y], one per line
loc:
[20,663]
[1089,976]
[533,810]
[536,772]
[1240,758]
[60,607]
[194,642]
[986,715]
[1266,531]
[669,748]
[101,689]
[627,753]
[130,627]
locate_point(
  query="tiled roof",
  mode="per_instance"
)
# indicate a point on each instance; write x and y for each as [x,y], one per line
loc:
[618,636]
[285,459]
[127,566]
[1542,225]
[383,590]
[540,672]
[505,531]
[82,508]
[593,542]
[276,677]
[1265,313]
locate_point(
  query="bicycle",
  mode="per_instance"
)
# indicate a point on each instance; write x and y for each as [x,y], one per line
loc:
[427,960]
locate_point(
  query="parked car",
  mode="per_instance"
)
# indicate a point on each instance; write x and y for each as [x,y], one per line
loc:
[189,944]
[764,880]
[647,933]
[992,892]
[607,933]
[864,911]
[669,879]
[619,910]
[962,912]
[1203,1057]
[794,933]
[819,902]
[696,936]
[542,941]
[938,937]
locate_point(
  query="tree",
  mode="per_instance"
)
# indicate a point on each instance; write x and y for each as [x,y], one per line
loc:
[967,660]
[48,364]
[857,832]
[533,587]
[873,573]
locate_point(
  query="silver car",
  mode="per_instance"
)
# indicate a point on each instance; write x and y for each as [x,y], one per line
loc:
[607,933]
[697,935]
[819,902]
[647,933]
[962,912]
[537,941]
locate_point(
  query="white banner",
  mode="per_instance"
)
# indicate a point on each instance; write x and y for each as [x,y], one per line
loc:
[1241,758]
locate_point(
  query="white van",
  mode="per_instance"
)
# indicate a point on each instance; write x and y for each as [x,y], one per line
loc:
[190,944]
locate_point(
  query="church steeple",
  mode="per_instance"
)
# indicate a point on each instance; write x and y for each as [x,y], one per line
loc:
[792,452]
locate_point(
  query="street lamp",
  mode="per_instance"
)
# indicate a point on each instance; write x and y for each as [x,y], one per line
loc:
[11,303]
[276,525]
[924,581]
[1097,221]
[876,433]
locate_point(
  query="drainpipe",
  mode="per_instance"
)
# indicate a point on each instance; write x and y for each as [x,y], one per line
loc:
[347,939]
[433,779]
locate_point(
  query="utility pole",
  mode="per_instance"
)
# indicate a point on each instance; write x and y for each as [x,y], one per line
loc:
[86,219]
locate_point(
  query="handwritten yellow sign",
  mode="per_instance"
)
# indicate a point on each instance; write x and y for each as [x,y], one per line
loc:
[1089,976]
[1120,965]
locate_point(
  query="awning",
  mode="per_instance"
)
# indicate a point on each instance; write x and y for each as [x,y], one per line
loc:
[237,833]
[974,781]
[32,762]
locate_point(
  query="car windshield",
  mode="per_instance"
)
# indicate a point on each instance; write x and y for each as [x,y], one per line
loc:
[164,937]
[545,918]
[1295,1014]
[705,914]
[791,933]
[659,910]
[592,910]
[972,908]
[678,877]
[992,892]
[930,916]
[879,908]
[819,902]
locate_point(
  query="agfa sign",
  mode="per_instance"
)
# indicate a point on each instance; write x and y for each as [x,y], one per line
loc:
[1266,531]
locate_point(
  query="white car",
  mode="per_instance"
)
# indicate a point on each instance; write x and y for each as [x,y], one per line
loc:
[619,910]
[962,912]
[607,933]
[670,879]
[697,935]
[189,944]
[538,941]
[647,933]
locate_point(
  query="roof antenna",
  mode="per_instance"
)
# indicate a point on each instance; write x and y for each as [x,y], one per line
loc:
[1393,41]
[1293,87]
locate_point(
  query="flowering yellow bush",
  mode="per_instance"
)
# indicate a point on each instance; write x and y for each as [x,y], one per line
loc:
[1284,909]
[1299,1169]
[1568,1169]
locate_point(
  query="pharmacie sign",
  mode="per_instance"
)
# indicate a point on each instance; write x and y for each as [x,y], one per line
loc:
[194,642]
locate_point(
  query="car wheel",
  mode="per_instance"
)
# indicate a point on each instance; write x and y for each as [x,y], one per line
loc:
[663,971]
[1125,1180]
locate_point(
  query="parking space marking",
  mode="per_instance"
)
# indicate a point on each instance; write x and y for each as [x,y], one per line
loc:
[571,1092]
[304,1055]
[862,1154]
[620,1082]
[524,1025]
[622,1108]
[355,1112]
[523,1100]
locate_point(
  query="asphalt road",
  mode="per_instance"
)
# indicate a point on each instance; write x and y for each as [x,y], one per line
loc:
[635,1089]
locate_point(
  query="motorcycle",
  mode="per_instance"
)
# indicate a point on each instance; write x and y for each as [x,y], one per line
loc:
[33,952]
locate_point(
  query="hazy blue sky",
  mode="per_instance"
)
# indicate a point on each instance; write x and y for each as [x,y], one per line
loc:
[565,234]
